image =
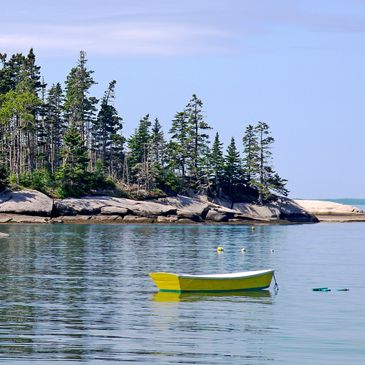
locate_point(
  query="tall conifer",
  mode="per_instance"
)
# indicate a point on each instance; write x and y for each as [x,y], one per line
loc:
[54,125]
[107,139]
[198,137]
[79,106]
[267,179]
[73,175]
[232,168]
[179,146]
[216,161]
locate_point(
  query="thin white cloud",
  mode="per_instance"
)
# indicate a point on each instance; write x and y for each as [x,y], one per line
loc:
[119,39]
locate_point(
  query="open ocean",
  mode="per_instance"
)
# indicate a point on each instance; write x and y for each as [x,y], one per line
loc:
[81,294]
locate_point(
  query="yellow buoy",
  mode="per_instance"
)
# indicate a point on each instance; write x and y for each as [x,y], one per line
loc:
[220,249]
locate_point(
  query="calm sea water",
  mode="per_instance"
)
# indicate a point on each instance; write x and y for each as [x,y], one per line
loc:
[81,293]
[349,201]
[359,203]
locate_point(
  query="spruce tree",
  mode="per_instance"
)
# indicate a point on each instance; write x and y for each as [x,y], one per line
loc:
[107,139]
[250,153]
[197,137]
[157,144]
[12,71]
[216,161]
[267,179]
[179,145]
[73,176]
[31,71]
[232,168]
[138,155]
[55,126]
[79,107]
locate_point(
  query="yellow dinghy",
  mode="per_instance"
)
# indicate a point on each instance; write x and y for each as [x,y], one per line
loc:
[213,283]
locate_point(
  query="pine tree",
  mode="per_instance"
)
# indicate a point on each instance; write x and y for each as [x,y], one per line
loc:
[19,68]
[54,125]
[138,155]
[216,161]
[117,158]
[73,176]
[250,153]
[12,71]
[31,71]
[107,139]
[42,142]
[157,144]
[197,137]
[232,168]
[278,184]
[179,146]
[79,107]
[267,178]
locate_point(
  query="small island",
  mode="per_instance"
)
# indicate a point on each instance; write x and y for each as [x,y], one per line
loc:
[64,159]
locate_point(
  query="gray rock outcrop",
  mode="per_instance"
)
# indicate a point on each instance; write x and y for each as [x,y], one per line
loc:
[136,219]
[291,211]
[185,213]
[111,206]
[170,219]
[185,204]
[29,202]
[216,216]
[34,207]
[257,212]
[114,210]
[82,206]
[144,208]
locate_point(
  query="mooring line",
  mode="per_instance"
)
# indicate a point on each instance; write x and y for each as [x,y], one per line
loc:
[276,286]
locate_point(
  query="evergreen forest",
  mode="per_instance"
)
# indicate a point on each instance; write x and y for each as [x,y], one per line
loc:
[65,142]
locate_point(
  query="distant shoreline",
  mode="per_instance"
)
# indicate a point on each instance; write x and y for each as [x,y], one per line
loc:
[333,211]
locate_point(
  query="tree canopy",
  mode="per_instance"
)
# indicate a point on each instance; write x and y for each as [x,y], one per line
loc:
[66,141]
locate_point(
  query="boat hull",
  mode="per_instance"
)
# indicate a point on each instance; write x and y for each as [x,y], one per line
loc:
[169,282]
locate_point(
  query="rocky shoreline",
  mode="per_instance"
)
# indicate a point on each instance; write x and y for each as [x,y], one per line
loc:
[332,212]
[30,206]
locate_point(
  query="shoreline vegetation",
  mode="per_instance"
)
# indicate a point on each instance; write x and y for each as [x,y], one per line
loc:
[64,159]
[67,143]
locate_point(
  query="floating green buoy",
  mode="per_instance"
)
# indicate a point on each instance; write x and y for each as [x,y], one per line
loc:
[328,289]
[321,289]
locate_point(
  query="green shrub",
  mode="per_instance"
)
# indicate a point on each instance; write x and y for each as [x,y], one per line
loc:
[4,177]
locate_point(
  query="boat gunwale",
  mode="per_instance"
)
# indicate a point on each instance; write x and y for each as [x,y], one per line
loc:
[221,276]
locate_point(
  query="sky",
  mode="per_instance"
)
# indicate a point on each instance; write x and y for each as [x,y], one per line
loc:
[297,65]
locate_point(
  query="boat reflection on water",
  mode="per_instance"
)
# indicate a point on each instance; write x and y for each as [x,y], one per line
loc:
[194,297]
